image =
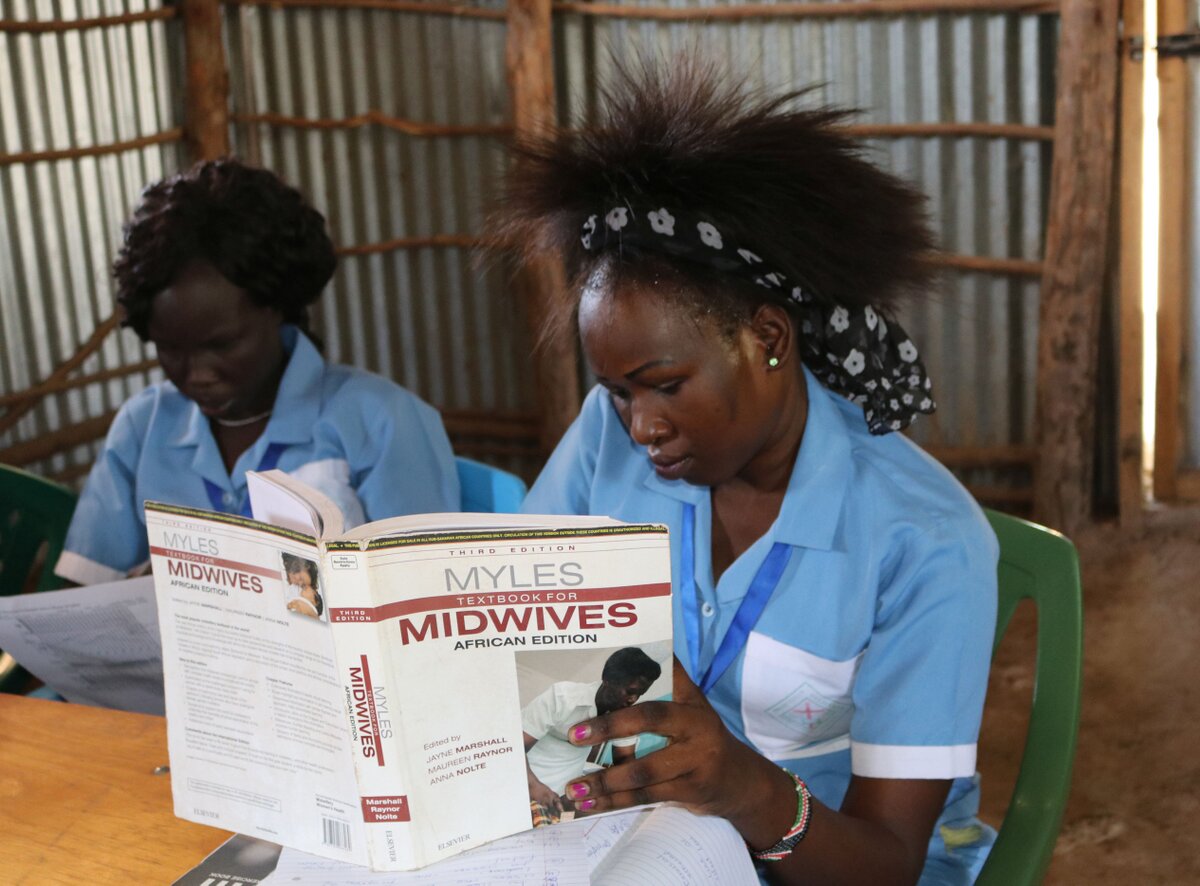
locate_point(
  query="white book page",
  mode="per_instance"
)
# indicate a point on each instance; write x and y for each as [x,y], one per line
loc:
[551,856]
[281,500]
[97,645]
[421,523]
[672,847]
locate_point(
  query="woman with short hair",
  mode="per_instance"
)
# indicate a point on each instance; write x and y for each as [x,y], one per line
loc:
[219,268]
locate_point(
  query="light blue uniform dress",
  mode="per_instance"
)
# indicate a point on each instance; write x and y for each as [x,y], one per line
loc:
[374,448]
[872,653]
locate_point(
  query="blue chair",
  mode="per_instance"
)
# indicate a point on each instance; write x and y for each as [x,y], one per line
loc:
[488,490]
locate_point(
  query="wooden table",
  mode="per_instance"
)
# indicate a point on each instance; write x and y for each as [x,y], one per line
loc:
[80,803]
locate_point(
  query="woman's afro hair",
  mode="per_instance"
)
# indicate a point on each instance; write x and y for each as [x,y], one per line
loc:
[789,184]
[258,232]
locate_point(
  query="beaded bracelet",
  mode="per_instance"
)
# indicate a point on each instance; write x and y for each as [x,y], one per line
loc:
[784,847]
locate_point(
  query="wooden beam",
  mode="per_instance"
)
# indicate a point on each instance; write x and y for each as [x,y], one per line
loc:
[529,57]
[134,144]
[58,26]
[62,371]
[951,129]
[58,385]
[852,9]
[456,10]
[1130,494]
[1019,267]
[1173,238]
[1076,249]
[375,117]
[58,441]
[206,90]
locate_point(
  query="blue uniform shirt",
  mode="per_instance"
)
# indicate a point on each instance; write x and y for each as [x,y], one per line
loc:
[374,448]
[872,655]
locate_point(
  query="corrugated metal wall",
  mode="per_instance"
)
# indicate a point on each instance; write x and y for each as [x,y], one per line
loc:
[427,317]
[978,332]
[60,219]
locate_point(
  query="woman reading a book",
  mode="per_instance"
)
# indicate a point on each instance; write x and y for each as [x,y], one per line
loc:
[219,267]
[734,265]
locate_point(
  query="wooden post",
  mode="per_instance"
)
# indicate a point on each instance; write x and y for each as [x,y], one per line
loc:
[206,99]
[1076,248]
[1130,493]
[529,57]
[1173,239]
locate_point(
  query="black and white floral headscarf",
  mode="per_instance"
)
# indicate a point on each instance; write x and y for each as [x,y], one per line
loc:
[855,352]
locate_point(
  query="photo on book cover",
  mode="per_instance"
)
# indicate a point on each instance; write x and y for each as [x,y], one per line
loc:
[302,581]
[559,688]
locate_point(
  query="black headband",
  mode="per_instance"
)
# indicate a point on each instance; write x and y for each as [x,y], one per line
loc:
[855,352]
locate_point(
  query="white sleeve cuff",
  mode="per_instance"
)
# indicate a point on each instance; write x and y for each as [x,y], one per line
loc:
[79,569]
[912,761]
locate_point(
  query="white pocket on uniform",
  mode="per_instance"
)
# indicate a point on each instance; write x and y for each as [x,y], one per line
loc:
[795,704]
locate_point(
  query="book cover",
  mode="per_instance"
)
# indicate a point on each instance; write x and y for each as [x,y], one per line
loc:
[397,695]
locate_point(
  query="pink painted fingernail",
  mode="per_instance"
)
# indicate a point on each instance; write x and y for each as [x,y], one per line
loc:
[587,804]
[579,733]
[579,789]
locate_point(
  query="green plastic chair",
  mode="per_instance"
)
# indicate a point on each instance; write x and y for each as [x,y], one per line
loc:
[1039,564]
[488,490]
[34,515]
[33,511]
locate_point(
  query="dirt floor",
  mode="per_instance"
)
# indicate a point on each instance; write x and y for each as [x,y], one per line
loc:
[1134,811]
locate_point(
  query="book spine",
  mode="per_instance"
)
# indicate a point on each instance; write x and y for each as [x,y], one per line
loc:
[369,685]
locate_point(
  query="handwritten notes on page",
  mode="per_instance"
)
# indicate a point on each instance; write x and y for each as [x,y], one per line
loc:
[601,833]
[672,846]
[659,846]
[542,857]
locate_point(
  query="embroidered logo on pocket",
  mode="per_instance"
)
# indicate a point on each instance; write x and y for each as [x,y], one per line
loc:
[795,703]
[812,716]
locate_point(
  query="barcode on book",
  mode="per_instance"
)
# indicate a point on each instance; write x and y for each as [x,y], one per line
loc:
[336,833]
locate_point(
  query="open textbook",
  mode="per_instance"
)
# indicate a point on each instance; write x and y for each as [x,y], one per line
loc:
[661,846]
[400,693]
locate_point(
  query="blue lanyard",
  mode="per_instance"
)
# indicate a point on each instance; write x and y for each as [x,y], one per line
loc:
[217,497]
[748,611]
